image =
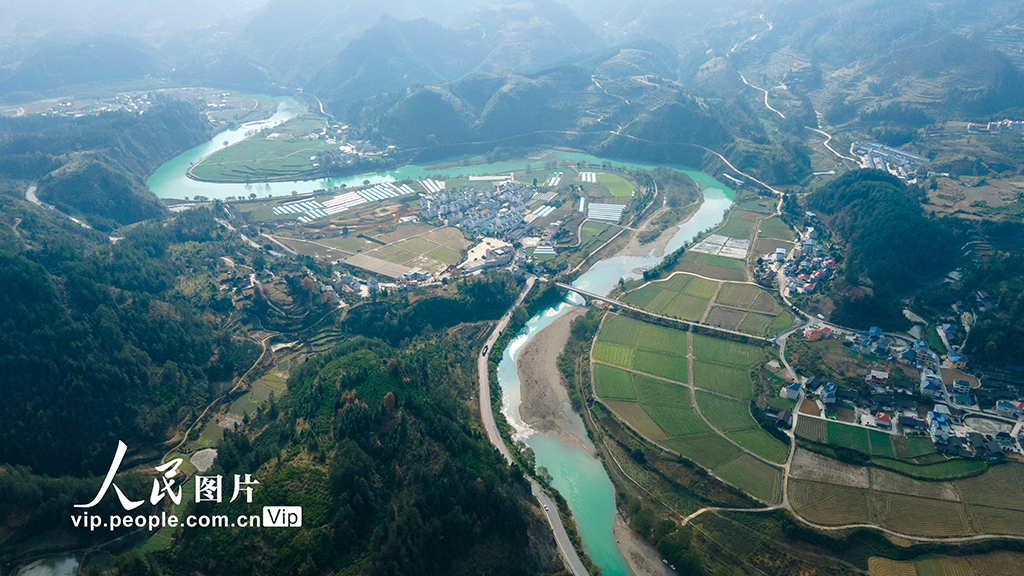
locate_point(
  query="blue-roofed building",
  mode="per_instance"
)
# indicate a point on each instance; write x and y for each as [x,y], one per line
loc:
[875,331]
[939,426]
[931,383]
[908,355]
[791,391]
[957,361]
[828,394]
[963,399]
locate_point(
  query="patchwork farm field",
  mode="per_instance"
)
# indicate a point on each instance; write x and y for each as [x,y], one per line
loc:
[680,296]
[747,308]
[985,504]
[712,266]
[887,449]
[734,419]
[283,155]
[656,402]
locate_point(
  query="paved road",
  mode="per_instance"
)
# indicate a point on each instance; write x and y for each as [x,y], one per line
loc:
[30,195]
[547,503]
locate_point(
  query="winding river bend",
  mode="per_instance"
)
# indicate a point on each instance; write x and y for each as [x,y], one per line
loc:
[575,470]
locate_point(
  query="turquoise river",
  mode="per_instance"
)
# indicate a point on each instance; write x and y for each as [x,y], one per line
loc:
[576,471]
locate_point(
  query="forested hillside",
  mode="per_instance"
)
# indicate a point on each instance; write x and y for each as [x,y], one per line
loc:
[890,245]
[96,343]
[379,447]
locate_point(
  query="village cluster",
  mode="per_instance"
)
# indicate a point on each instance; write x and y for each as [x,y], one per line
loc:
[807,266]
[888,159]
[940,403]
[498,211]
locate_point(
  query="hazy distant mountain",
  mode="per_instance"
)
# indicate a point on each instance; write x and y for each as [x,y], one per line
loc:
[298,39]
[152,19]
[102,59]
[394,55]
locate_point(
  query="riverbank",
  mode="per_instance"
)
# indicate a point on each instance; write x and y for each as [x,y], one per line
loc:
[643,560]
[657,248]
[543,397]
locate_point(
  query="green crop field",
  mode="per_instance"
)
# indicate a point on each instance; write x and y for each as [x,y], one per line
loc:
[619,330]
[733,417]
[774,227]
[813,429]
[708,450]
[725,414]
[739,224]
[656,350]
[726,352]
[753,477]
[613,354]
[685,307]
[681,296]
[661,339]
[712,266]
[634,415]
[852,437]
[617,185]
[745,296]
[687,284]
[668,366]
[761,443]
[756,324]
[612,383]
[677,421]
[654,392]
[727,380]
[881,443]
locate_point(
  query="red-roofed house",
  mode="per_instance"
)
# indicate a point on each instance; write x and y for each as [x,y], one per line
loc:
[883,420]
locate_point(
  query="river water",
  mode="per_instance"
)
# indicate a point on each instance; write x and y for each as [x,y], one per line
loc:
[576,472]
